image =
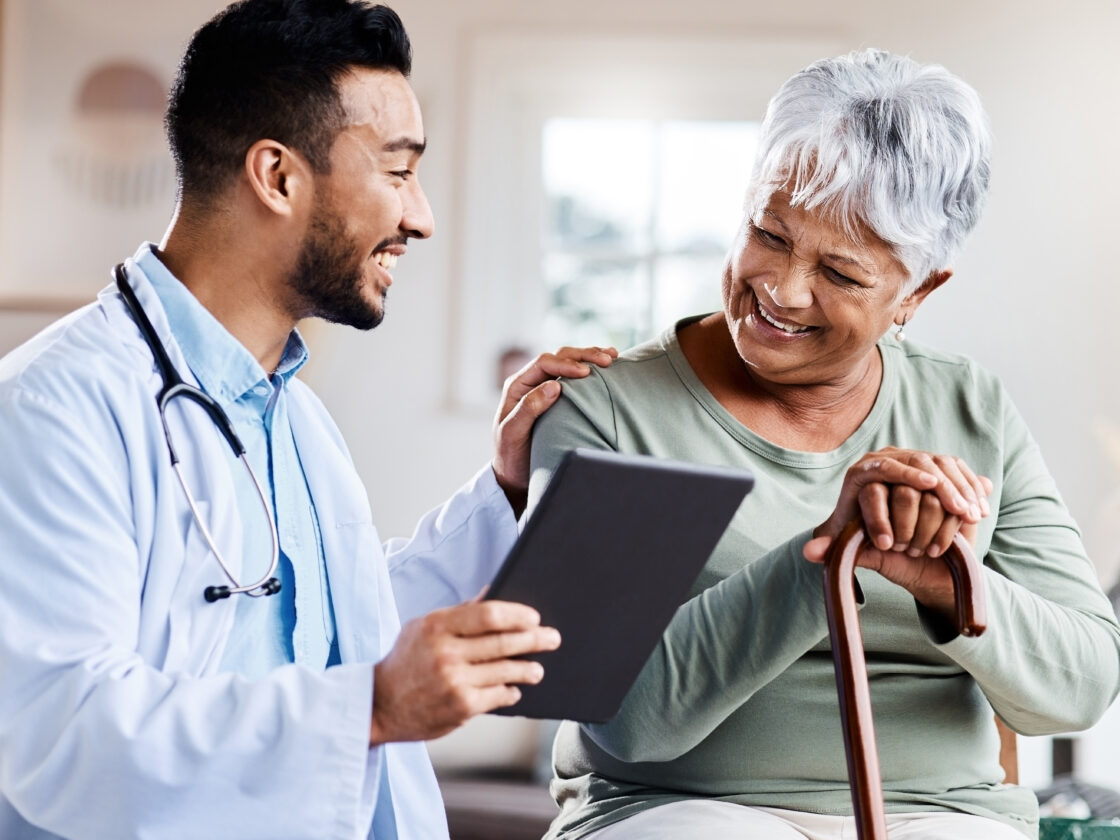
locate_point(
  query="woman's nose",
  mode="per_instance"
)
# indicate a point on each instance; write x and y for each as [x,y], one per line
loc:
[791,290]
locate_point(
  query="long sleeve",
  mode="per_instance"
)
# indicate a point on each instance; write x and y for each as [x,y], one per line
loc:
[455,550]
[96,739]
[1050,659]
[720,648]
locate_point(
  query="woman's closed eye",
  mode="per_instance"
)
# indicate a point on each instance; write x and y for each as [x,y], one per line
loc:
[839,277]
[767,238]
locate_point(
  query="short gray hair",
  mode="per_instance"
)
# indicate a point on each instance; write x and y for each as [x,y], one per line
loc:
[879,139]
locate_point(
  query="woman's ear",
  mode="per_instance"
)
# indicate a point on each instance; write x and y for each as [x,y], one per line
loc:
[278,176]
[914,299]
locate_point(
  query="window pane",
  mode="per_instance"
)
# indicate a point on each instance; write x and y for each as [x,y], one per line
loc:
[595,301]
[683,286]
[597,183]
[703,176]
[640,217]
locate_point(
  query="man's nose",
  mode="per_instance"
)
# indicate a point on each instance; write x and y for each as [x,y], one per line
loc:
[416,213]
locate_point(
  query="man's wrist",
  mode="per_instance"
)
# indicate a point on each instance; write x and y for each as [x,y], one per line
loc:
[516,495]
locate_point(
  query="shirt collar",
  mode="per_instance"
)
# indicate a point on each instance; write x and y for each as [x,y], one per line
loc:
[222,365]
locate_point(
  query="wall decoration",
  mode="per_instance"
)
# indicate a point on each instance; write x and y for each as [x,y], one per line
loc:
[85,175]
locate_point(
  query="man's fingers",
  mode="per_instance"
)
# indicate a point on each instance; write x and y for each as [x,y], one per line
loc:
[482,617]
[496,697]
[519,418]
[494,646]
[506,672]
[570,362]
[594,355]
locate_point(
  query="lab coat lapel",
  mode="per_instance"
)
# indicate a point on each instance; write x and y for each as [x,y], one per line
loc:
[364,611]
[197,631]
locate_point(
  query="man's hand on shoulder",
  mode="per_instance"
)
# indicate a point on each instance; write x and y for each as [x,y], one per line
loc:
[527,395]
[455,663]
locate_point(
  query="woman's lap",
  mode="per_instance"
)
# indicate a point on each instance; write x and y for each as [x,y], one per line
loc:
[712,819]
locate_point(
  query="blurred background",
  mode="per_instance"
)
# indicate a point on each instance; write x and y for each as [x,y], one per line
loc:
[586,165]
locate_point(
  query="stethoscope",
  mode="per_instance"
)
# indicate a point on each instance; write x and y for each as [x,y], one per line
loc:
[174,386]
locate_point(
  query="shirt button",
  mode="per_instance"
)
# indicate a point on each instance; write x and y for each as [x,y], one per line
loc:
[261,390]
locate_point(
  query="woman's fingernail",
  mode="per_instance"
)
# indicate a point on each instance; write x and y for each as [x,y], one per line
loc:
[883,542]
[899,546]
[914,553]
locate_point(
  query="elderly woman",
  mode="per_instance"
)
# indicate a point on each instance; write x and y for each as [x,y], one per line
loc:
[870,173]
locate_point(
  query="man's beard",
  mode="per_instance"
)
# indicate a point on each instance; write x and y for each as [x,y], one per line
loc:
[328,277]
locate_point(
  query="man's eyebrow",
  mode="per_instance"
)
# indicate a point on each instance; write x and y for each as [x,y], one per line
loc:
[406,144]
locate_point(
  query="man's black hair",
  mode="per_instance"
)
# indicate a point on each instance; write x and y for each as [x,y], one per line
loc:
[267,69]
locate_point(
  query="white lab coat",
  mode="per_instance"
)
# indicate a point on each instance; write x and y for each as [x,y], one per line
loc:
[114,722]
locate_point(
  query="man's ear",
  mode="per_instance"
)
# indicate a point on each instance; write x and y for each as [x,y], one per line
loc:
[279,177]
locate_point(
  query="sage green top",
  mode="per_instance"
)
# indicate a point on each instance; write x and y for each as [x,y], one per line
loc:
[738,702]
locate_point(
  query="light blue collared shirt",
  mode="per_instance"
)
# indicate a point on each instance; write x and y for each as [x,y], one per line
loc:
[297,624]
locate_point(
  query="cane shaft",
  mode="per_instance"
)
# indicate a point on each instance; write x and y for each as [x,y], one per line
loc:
[851,665]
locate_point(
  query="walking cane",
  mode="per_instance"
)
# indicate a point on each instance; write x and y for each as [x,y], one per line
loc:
[851,666]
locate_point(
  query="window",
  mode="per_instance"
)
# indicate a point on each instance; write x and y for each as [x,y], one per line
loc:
[603,178]
[638,220]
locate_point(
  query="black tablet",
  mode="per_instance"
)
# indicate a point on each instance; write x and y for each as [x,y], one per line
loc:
[608,555]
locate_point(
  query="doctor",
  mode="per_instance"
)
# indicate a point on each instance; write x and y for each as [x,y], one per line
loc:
[187,651]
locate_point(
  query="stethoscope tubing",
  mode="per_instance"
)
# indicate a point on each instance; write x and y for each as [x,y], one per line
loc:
[174,386]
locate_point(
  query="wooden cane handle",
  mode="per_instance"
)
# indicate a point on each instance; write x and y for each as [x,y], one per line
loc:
[851,665]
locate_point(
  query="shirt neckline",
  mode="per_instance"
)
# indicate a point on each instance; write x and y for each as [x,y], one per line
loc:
[223,366]
[856,443]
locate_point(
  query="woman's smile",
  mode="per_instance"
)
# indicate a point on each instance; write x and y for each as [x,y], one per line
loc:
[784,329]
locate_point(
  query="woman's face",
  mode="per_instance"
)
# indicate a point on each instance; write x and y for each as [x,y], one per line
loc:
[804,302]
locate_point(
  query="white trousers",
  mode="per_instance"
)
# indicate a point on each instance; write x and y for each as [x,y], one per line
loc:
[709,820]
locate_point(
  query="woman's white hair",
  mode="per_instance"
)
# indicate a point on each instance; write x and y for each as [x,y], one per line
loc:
[878,140]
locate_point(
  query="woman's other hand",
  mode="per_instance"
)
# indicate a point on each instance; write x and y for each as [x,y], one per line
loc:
[911,505]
